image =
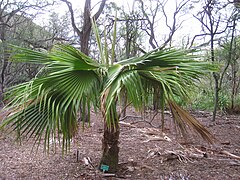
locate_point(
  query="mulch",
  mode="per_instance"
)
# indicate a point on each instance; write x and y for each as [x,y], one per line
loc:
[145,152]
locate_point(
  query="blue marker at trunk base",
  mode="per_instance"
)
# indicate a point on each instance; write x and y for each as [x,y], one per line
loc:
[104,167]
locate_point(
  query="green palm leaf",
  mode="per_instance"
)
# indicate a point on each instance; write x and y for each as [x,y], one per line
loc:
[171,72]
[50,103]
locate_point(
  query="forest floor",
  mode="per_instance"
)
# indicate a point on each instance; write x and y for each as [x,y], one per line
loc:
[145,153]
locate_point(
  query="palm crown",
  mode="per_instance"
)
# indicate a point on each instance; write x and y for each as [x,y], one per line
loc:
[48,105]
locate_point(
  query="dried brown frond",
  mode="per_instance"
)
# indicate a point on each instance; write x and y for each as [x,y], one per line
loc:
[184,119]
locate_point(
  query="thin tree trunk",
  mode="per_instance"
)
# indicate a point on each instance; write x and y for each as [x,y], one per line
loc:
[215,76]
[216,98]
[3,74]
[110,147]
[123,100]
[234,85]
[123,104]
[4,59]
[230,60]
[1,95]
[156,99]
[84,35]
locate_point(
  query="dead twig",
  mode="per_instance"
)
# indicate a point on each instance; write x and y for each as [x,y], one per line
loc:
[129,116]
[230,154]
[180,155]
[108,175]
[157,138]
[148,167]
[127,124]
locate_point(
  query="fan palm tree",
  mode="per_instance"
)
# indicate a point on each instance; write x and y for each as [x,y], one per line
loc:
[47,107]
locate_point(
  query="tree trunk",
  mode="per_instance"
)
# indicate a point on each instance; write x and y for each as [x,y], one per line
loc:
[123,104]
[215,75]
[1,96]
[123,100]
[110,147]
[86,29]
[216,95]
[84,35]
[156,99]
[4,59]
[234,85]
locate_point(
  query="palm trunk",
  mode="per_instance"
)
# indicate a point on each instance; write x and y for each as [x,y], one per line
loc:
[110,147]
[123,104]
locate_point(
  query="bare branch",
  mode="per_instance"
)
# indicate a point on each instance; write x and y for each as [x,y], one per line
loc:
[75,28]
[96,16]
[151,25]
[173,28]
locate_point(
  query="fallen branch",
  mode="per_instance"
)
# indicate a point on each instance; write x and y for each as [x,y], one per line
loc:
[127,124]
[151,131]
[108,175]
[180,155]
[129,116]
[230,154]
[148,167]
[230,161]
[220,152]
[88,162]
[157,138]
[184,155]
[154,134]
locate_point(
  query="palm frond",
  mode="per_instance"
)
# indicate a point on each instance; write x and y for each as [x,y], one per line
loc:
[121,77]
[61,56]
[184,120]
[171,73]
[98,39]
[49,104]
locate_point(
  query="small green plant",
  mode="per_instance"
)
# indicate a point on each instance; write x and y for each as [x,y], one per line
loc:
[224,101]
[201,98]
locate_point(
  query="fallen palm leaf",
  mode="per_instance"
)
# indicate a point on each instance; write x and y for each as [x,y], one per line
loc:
[184,119]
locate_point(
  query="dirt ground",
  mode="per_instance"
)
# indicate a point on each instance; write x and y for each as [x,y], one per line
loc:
[145,153]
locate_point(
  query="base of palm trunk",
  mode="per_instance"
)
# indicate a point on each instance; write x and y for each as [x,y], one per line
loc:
[109,161]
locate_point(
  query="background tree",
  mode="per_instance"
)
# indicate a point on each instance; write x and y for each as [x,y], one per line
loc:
[210,18]
[157,11]
[84,32]
[156,23]
[228,54]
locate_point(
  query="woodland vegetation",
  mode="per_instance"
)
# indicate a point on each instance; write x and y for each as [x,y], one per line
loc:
[57,66]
